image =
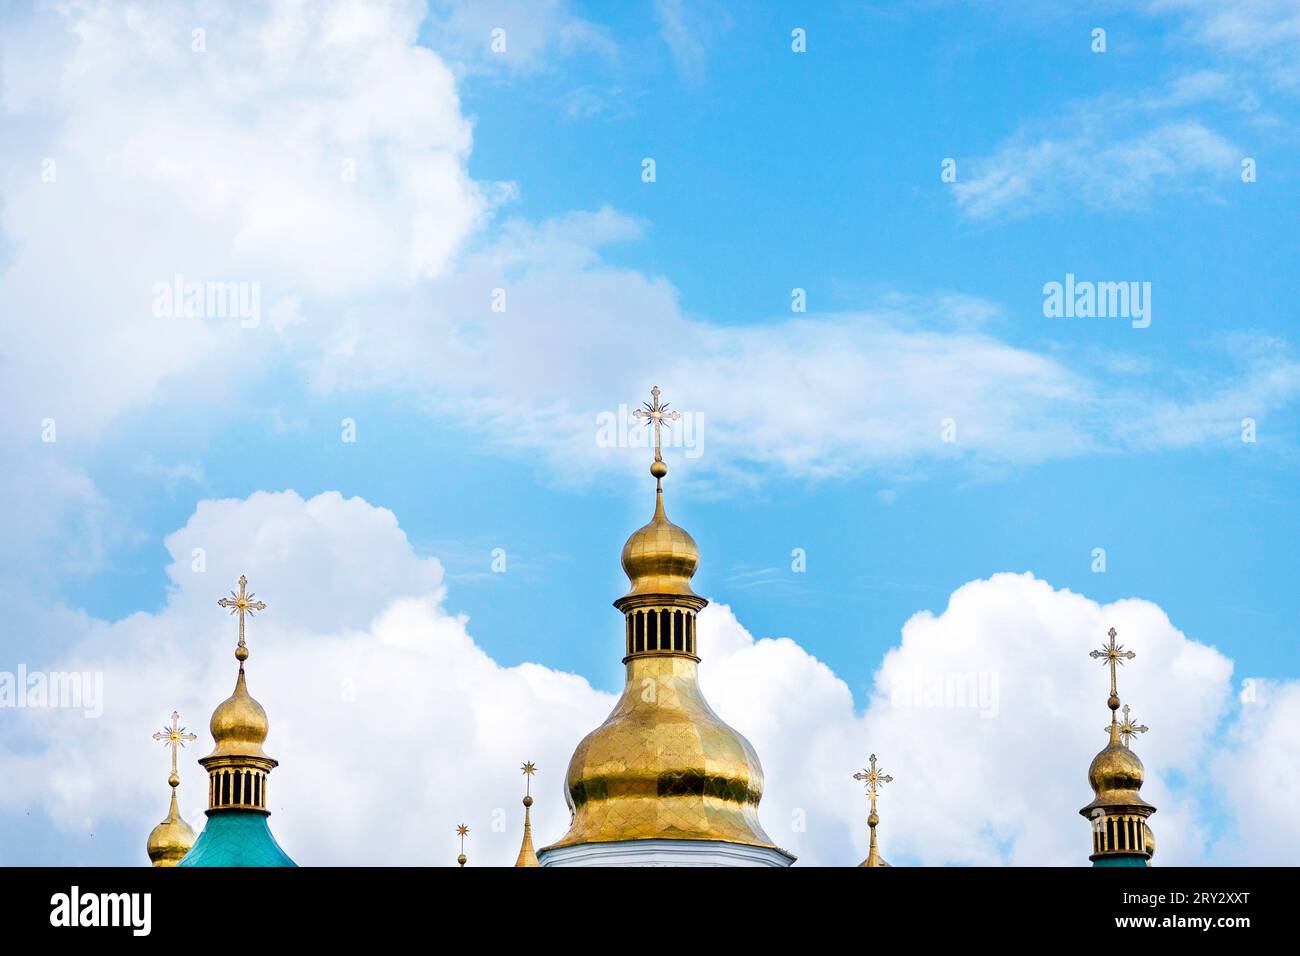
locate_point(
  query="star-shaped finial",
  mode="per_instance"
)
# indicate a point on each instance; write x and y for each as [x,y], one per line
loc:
[1127,728]
[462,830]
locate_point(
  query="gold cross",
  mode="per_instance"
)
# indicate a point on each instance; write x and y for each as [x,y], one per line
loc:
[1127,728]
[242,604]
[656,414]
[173,737]
[873,778]
[529,768]
[1113,654]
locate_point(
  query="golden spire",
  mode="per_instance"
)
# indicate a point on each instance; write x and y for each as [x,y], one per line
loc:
[170,840]
[1118,813]
[663,765]
[462,831]
[873,778]
[238,766]
[527,856]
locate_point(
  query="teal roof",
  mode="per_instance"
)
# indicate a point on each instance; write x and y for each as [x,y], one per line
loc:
[236,838]
[1103,861]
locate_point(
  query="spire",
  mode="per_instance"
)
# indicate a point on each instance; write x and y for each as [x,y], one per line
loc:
[1120,834]
[527,856]
[873,778]
[170,840]
[462,831]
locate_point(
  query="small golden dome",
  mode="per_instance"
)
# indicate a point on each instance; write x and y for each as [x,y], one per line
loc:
[660,557]
[239,725]
[1114,769]
[170,840]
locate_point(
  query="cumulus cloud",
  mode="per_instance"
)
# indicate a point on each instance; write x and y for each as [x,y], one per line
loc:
[392,725]
[314,151]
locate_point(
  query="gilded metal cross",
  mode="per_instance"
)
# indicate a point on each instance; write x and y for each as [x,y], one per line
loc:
[241,604]
[1127,728]
[174,736]
[1113,654]
[656,414]
[873,778]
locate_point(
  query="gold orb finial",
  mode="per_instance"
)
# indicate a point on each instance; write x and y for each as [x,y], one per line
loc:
[462,831]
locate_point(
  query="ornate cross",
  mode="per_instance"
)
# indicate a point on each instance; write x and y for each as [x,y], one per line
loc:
[873,778]
[175,736]
[242,604]
[656,414]
[529,768]
[1127,728]
[1113,654]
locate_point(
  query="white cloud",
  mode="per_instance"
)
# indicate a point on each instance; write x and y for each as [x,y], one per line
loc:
[1263,33]
[1091,163]
[230,164]
[534,34]
[392,725]
[689,30]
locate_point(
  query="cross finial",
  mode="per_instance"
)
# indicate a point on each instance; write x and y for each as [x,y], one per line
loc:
[1127,728]
[656,414]
[873,778]
[174,736]
[242,604]
[1113,654]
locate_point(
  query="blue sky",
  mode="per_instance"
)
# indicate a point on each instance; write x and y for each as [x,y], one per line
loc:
[775,170]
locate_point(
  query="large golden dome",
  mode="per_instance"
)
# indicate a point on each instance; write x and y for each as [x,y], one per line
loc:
[239,725]
[170,840]
[664,765]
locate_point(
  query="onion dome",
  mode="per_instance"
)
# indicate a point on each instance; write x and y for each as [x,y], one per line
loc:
[239,725]
[170,840]
[660,557]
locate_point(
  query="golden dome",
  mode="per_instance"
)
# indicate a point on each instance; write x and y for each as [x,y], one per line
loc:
[663,765]
[1117,768]
[1116,776]
[660,557]
[170,840]
[239,725]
